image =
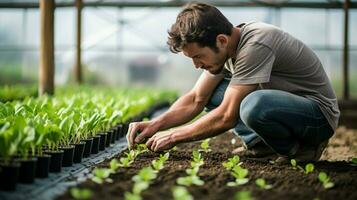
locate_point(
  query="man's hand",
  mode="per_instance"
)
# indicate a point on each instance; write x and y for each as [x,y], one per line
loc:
[139,131]
[161,141]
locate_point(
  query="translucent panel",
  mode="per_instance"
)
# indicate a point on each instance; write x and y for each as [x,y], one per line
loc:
[305,24]
[11,27]
[65,26]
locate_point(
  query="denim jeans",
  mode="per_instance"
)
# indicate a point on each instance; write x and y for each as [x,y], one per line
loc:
[280,119]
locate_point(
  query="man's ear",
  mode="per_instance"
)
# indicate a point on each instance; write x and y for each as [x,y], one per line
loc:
[222,41]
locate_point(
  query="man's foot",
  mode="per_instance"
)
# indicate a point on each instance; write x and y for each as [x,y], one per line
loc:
[305,154]
[257,151]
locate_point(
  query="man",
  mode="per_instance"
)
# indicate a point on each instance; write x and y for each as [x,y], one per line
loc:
[259,80]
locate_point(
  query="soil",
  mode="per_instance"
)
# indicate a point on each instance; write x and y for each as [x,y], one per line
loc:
[287,183]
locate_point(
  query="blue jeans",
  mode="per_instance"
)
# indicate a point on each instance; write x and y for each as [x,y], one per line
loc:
[280,119]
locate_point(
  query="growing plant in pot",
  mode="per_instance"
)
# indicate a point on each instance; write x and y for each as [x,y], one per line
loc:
[67,127]
[53,139]
[9,168]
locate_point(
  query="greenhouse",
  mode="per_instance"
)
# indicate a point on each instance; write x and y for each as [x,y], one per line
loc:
[176,99]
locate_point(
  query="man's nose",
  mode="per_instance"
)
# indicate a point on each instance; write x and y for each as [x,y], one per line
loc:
[197,63]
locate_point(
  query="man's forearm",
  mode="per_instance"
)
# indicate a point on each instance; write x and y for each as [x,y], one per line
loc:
[212,124]
[181,112]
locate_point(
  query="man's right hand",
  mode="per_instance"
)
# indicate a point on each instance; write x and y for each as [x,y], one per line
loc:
[138,132]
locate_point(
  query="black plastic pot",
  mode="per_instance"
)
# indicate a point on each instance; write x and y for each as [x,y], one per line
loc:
[102,141]
[87,147]
[109,138]
[27,170]
[67,156]
[95,144]
[9,174]
[112,132]
[55,160]
[43,166]
[115,135]
[119,133]
[78,152]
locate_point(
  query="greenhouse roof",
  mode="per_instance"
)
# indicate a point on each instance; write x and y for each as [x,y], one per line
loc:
[175,3]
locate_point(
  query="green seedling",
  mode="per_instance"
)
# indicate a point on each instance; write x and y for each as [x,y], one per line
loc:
[181,193]
[325,180]
[114,165]
[101,175]
[146,174]
[205,145]
[132,196]
[354,162]
[157,164]
[232,162]
[309,168]
[295,165]
[190,180]
[125,162]
[240,174]
[262,184]
[81,194]
[140,186]
[197,158]
[243,195]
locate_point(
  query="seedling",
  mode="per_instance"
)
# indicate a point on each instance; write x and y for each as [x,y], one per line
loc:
[240,174]
[262,184]
[101,175]
[181,193]
[309,168]
[197,157]
[232,162]
[125,162]
[132,196]
[205,145]
[190,180]
[295,165]
[81,194]
[146,174]
[325,180]
[243,195]
[114,165]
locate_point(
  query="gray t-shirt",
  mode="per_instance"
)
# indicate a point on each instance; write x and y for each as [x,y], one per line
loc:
[270,57]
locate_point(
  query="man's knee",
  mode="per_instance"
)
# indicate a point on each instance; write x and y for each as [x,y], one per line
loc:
[253,107]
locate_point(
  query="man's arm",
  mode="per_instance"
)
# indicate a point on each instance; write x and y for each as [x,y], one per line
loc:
[219,120]
[182,111]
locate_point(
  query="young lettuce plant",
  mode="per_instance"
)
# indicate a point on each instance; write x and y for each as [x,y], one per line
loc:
[243,195]
[141,182]
[81,194]
[192,178]
[158,164]
[240,175]
[181,193]
[101,175]
[262,184]
[325,180]
[309,168]
[295,165]
[205,146]
[232,162]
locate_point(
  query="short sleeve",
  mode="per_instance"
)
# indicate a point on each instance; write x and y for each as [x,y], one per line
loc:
[253,64]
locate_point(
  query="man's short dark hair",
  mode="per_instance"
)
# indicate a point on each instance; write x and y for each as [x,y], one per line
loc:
[200,23]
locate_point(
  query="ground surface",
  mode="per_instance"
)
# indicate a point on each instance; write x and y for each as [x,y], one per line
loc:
[287,182]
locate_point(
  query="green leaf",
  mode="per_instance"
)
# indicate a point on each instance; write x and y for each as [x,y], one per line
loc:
[309,168]
[181,193]
[78,193]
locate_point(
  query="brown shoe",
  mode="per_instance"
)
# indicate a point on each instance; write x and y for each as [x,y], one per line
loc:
[305,154]
[257,151]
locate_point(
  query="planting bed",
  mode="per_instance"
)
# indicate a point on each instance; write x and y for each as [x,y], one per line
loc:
[286,182]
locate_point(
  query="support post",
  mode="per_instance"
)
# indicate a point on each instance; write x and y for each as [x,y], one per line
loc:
[78,64]
[345,76]
[46,72]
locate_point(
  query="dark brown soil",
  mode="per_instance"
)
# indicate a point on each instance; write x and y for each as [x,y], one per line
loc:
[287,182]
